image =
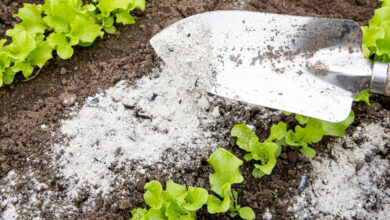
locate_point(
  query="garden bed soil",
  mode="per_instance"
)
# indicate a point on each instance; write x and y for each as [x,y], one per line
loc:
[32,115]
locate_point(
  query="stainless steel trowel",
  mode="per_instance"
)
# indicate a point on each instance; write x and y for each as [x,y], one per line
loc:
[309,66]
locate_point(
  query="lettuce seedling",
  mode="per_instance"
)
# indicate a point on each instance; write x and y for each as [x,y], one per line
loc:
[266,152]
[313,131]
[376,36]
[226,173]
[309,131]
[363,96]
[72,25]
[176,202]
[58,25]
[119,10]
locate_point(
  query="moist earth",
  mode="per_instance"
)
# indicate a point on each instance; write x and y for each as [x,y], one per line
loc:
[31,114]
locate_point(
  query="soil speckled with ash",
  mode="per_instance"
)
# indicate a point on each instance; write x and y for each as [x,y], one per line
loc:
[30,113]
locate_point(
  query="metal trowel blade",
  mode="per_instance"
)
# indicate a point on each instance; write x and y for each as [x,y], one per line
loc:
[304,65]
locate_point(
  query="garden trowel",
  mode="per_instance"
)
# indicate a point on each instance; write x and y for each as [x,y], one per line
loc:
[305,65]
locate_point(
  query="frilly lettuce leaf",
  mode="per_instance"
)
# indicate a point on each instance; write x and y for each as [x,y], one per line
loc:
[153,194]
[215,205]
[226,167]
[195,198]
[278,132]
[32,20]
[376,36]
[139,214]
[244,134]
[363,96]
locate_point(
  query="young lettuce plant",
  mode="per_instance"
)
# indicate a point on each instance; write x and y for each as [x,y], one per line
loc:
[226,173]
[313,132]
[58,25]
[118,10]
[363,96]
[308,132]
[266,152]
[176,202]
[376,36]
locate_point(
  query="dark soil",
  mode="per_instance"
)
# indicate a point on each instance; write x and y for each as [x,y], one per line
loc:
[25,106]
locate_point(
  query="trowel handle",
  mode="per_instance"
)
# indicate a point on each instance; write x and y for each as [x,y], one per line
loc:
[387,90]
[380,81]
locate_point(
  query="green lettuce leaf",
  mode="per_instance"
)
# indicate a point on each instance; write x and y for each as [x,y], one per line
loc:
[153,194]
[139,214]
[195,198]
[257,150]
[278,132]
[311,133]
[73,20]
[257,173]
[32,20]
[215,205]
[8,76]
[60,14]
[226,167]
[179,192]
[269,149]
[23,66]
[41,54]
[338,129]
[376,36]
[175,211]
[124,17]
[61,44]
[157,214]
[107,6]
[244,134]
[246,213]
[140,4]
[85,29]
[22,44]
[5,61]
[308,152]
[363,96]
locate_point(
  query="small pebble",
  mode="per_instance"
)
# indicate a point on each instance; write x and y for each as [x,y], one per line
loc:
[179,28]
[63,71]
[155,29]
[303,183]
[132,135]
[68,99]
[92,102]
[151,96]
[215,112]
[251,127]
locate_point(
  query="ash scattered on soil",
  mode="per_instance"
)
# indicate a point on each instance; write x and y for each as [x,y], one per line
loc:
[350,180]
[29,112]
[117,134]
